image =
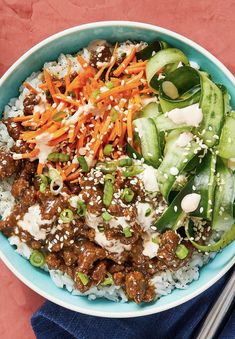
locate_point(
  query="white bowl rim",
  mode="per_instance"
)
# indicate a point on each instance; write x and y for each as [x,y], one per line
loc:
[85,310]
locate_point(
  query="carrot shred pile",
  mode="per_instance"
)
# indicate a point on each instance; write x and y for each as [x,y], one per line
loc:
[85,112]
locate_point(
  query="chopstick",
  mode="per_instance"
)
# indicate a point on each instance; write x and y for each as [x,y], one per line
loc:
[218,311]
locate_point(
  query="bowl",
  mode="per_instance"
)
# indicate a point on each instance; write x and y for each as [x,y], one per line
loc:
[70,41]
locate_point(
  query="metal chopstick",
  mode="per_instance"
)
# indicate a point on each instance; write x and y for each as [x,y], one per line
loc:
[218,311]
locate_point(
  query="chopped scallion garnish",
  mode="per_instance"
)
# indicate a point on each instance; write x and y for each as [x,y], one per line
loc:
[66,215]
[37,259]
[181,251]
[109,84]
[109,177]
[128,195]
[106,216]
[83,277]
[58,157]
[81,208]
[108,280]
[148,212]
[127,232]
[83,163]
[108,149]
[125,162]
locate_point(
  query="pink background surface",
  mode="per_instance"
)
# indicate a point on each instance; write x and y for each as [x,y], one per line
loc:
[26,22]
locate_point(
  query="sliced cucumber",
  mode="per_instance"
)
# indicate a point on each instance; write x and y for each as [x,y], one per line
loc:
[151,110]
[202,183]
[149,140]
[175,156]
[226,146]
[168,56]
[186,81]
[224,198]
[212,105]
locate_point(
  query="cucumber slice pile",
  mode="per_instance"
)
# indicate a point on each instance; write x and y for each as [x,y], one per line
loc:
[188,131]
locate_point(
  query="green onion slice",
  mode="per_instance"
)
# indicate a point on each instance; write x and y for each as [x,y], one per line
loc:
[37,259]
[109,177]
[128,194]
[127,232]
[106,167]
[114,114]
[132,171]
[148,212]
[59,116]
[125,162]
[106,216]
[44,182]
[108,193]
[108,280]
[95,93]
[83,163]
[181,251]
[58,157]
[109,84]
[108,149]
[66,215]
[81,208]
[83,277]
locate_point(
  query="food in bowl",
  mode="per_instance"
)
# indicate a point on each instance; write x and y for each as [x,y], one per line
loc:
[117,170]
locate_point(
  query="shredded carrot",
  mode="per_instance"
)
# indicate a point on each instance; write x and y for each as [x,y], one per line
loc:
[59,169]
[59,132]
[129,127]
[117,90]
[58,140]
[40,168]
[62,97]
[81,141]
[98,141]
[134,70]
[22,118]
[70,168]
[101,154]
[96,128]
[49,82]
[75,181]
[74,175]
[137,64]
[30,87]
[100,72]
[82,61]
[146,90]
[135,78]
[113,61]
[125,63]
[122,137]
[30,155]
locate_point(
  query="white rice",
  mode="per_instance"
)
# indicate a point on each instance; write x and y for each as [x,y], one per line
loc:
[164,282]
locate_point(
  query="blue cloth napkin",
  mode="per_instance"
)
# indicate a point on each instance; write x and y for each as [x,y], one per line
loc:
[182,322]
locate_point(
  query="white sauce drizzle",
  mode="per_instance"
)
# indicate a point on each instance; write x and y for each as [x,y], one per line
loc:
[191,115]
[32,222]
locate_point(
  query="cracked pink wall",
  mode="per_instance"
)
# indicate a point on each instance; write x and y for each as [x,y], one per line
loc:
[26,22]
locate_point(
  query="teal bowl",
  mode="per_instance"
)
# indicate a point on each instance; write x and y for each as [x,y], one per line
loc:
[70,41]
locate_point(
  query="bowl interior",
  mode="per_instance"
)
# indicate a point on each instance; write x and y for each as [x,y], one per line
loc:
[69,42]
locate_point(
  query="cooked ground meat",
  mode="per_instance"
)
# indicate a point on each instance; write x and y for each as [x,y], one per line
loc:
[29,102]
[136,286]
[8,166]
[99,273]
[100,53]
[14,128]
